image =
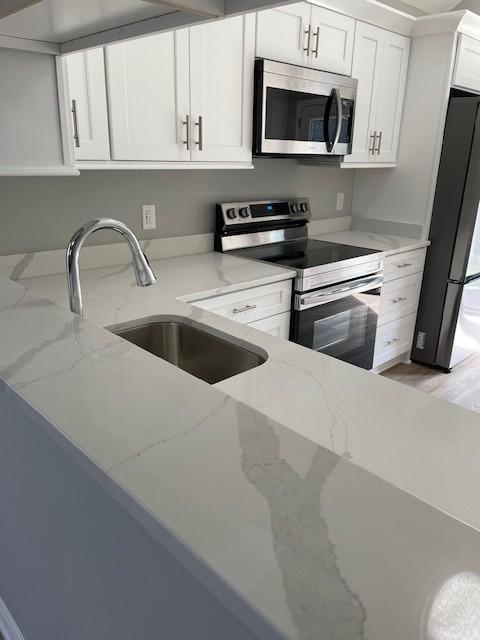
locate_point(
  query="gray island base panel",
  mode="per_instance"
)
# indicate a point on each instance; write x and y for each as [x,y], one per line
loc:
[296,541]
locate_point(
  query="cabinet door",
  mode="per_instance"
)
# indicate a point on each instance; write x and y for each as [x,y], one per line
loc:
[275,325]
[282,34]
[86,81]
[221,84]
[148,90]
[332,37]
[366,63]
[467,65]
[391,93]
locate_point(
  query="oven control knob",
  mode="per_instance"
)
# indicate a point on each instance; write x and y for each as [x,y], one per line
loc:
[231,214]
[294,208]
[244,212]
[304,207]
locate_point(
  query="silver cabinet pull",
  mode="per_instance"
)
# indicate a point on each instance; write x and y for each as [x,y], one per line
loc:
[308,33]
[247,307]
[399,299]
[199,124]
[403,265]
[379,147]
[316,35]
[373,140]
[392,341]
[186,124]
[76,135]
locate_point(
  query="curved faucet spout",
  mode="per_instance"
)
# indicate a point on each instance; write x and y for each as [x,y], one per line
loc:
[143,272]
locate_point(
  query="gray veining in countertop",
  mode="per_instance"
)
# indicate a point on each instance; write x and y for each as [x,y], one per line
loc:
[250,483]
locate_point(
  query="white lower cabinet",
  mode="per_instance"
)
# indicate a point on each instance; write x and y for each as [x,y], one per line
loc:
[398,307]
[278,326]
[266,308]
[394,339]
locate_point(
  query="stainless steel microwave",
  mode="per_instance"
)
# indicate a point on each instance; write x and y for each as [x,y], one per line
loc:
[302,112]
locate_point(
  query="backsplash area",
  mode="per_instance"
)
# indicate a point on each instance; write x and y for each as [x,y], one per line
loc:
[39,214]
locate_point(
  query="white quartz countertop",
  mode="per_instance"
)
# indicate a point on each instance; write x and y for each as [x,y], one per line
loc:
[390,245]
[309,495]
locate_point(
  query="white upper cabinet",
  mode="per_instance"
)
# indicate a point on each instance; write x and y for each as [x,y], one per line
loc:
[307,35]
[185,95]
[148,90]
[366,64]
[86,78]
[331,41]
[221,84]
[467,65]
[391,94]
[380,64]
[282,34]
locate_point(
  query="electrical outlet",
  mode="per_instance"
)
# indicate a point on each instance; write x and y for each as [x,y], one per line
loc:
[149,217]
[340,201]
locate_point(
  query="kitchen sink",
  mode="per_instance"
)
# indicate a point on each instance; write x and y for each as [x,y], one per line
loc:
[192,347]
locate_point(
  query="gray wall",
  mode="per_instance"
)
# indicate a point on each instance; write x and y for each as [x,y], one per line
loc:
[38,214]
[75,565]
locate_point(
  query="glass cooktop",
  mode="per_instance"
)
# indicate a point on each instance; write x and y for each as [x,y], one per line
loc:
[304,254]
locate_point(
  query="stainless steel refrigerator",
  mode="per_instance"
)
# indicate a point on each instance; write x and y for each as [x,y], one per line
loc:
[448,322]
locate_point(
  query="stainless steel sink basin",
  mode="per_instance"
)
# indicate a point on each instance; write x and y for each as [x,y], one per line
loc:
[188,345]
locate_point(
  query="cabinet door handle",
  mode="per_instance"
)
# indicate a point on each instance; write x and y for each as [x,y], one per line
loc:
[403,265]
[186,124]
[379,147]
[247,307]
[316,35]
[399,299]
[308,33]
[76,134]
[373,140]
[199,124]
[392,341]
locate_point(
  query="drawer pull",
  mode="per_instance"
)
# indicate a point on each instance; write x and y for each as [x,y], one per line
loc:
[404,264]
[396,300]
[247,307]
[392,341]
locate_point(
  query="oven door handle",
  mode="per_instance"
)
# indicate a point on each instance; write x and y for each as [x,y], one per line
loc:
[335,293]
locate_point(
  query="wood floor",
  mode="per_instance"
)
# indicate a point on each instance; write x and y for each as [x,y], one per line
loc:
[461,386]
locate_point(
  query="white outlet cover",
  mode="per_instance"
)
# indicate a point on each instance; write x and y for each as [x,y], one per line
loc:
[149,217]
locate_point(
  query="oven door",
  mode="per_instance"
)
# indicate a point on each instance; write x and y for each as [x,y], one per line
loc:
[303,116]
[341,320]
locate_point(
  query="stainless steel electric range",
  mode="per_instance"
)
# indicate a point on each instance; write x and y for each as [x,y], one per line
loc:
[336,295]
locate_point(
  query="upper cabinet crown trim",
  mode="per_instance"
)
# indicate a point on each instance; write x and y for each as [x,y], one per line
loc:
[465,22]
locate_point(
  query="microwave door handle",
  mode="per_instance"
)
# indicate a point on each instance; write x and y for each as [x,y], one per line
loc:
[326,121]
[338,102]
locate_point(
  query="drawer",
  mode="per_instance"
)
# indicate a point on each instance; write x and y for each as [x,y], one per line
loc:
[403,264]
[275,325]
[400,298]
[393,339]
[252,304]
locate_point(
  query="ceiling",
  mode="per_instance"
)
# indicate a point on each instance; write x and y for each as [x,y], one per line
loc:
[425,7]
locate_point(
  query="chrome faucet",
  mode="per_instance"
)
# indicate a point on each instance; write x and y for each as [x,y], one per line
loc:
[143,272]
